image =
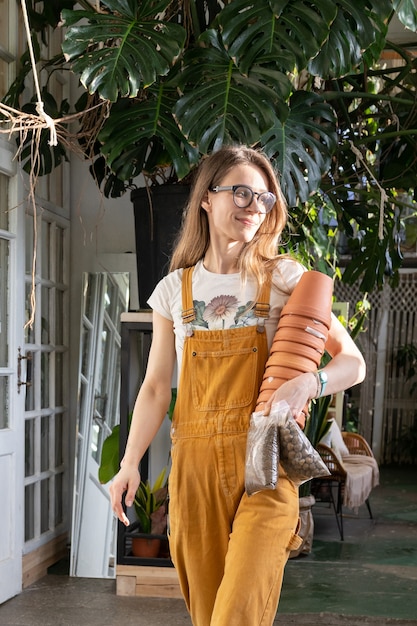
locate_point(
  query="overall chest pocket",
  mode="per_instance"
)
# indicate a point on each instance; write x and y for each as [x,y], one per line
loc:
[224,379]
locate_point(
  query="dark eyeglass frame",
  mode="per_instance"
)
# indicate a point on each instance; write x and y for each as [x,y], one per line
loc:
[259,202]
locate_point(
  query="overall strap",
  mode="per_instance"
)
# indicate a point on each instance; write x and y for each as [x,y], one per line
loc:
[262,306]
[188,311]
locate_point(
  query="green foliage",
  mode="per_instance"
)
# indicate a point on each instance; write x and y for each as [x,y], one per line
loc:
[298,78]
[317,424]
[407,363]
[301,145]
[140,48]
[109,462]
[149,499]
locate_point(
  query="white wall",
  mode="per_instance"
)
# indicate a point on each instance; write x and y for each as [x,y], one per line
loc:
[102,239]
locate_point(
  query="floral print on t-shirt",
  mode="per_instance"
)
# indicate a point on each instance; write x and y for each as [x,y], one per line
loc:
[222,312]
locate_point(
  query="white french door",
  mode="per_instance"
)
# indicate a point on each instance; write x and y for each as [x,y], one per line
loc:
[46,436]
[93,545]
[11,401]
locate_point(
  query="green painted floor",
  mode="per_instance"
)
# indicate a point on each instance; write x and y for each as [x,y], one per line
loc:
[373,571]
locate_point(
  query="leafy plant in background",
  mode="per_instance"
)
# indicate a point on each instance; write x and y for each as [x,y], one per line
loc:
[317,424]
[406,443]
[406,358]
[149,504]
[150,501]
[179,78]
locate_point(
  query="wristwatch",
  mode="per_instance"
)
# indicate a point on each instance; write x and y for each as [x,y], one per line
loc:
[322,378]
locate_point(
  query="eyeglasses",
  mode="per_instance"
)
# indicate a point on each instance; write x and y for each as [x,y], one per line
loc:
[243,197]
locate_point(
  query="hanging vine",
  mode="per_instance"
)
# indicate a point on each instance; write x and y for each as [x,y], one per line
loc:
[29,128]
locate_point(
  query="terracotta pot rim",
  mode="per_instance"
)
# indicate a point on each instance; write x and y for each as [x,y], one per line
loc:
[299,335]
[310,313]
[296,347]
[300,322]
[293,361]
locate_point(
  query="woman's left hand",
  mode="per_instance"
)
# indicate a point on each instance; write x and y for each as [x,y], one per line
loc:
[297,393]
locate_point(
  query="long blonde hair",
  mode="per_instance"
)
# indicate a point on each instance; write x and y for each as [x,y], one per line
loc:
[258,257]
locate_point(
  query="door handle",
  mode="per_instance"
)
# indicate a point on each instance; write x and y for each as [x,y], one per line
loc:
[29,359]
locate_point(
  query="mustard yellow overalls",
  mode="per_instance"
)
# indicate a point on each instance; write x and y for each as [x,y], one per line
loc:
[229,550]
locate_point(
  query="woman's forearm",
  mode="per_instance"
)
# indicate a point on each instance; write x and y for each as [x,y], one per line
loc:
[149,412]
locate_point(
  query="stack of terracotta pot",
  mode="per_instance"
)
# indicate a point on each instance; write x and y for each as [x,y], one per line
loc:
[302,332]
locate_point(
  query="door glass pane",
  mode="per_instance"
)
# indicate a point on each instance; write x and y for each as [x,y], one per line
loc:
[46,235]
[44,444]
[30,389]
[110,298]
[59,458]
[113,418]
[104,361]
[4,402]
[59,516]
[59,379]
[29,512]
[90,286]
[85,350]
[44,505]
[29,447]
[59,317]
[29,330]
[59,255]
[4,321]
[29,243]
[4,202]
[45,336]
[45,380]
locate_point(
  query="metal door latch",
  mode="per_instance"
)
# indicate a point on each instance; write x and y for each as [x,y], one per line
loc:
[28,359]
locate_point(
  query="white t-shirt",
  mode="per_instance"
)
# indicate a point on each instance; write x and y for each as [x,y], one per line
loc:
[221,301]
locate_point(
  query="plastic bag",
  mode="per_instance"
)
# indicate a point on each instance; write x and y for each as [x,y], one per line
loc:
[298,457]
[277,439]
[262,453]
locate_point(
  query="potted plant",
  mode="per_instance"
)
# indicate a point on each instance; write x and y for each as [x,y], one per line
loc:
[150,505]
[172,80]
[317,426]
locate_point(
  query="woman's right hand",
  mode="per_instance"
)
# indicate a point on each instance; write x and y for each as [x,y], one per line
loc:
[127,481]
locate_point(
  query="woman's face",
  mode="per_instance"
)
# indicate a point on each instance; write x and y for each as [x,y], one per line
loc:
[227,221]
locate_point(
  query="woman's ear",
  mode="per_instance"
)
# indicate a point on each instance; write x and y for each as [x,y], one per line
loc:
[206,202]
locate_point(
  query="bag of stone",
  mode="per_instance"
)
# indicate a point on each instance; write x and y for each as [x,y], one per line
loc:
[277,439]
[299,459]
[262,453]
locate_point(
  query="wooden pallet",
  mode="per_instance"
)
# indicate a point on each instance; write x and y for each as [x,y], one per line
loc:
[149,582]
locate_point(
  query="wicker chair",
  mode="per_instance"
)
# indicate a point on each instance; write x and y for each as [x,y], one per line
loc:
[323,488]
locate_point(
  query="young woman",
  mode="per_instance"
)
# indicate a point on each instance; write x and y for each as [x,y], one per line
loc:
[210,315]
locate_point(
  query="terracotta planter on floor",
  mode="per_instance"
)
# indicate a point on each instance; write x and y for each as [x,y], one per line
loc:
[146,547]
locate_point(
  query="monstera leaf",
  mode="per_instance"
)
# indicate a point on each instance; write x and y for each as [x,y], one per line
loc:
[223,105]
[406,13]
[358,26]
[302,145]
[133,128]
[258,32]
[138,47]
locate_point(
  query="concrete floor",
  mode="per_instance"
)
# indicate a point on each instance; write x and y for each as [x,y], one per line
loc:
[369,578]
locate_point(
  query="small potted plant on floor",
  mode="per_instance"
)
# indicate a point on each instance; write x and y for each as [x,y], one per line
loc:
[150,505]
[148,532]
